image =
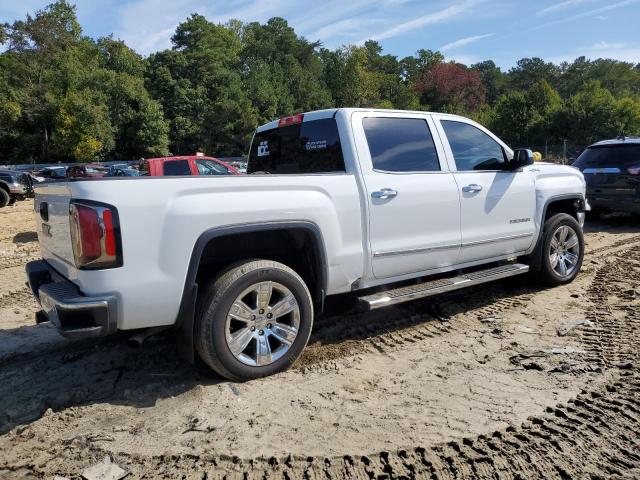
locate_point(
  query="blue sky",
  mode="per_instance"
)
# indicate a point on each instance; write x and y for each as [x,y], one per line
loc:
[465,30]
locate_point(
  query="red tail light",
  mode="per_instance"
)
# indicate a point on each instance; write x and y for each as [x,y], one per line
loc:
[95,235]
[634,170]
[292,120]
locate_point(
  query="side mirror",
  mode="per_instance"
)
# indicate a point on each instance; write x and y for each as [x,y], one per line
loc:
[521,158]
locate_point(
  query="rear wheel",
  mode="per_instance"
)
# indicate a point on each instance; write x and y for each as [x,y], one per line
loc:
[254,320]
[4,198]
[562,249]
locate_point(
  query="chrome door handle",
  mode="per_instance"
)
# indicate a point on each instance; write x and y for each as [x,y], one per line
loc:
[474,187]
[384,193]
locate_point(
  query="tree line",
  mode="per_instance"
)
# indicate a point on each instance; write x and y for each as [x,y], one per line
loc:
[67,97]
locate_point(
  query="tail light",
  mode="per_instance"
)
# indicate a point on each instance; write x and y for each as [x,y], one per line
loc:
[95,235]
[292,120]
[634,170]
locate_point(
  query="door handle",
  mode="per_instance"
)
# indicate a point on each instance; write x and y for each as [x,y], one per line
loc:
[474,187]
[384,193]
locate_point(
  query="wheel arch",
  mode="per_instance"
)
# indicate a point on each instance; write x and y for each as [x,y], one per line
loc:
[570,203]
[185,321]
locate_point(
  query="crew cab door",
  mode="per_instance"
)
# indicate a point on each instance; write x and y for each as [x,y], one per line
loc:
[412,198]
[497,206]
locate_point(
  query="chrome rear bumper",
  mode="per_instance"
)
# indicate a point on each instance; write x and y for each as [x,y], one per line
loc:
[74,314]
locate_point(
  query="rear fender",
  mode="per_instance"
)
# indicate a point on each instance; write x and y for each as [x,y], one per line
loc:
[185,322]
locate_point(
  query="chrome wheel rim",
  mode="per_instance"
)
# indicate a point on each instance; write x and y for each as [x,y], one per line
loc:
[564,251]
[262,324]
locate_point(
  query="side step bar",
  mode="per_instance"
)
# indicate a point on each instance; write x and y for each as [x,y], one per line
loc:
[435,287]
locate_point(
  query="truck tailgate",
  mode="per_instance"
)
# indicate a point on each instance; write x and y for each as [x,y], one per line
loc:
[51,206]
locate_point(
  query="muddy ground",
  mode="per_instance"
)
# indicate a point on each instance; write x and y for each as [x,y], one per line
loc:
[508,380]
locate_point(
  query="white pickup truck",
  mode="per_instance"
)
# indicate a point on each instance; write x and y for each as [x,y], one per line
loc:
[389,205]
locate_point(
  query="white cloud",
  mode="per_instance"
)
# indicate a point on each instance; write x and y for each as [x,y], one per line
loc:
[626,52]
[464,41]
[451,11]
[560,6]
[588,13]
[464,58]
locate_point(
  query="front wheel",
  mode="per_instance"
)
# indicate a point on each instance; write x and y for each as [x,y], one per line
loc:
[562,249]
[254,320]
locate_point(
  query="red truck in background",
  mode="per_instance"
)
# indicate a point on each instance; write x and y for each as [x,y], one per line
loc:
[185,165]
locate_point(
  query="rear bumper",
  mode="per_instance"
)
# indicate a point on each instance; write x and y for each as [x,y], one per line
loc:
[17,189]
[74,314]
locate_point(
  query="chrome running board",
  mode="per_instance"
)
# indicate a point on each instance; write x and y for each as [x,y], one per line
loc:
[435,287]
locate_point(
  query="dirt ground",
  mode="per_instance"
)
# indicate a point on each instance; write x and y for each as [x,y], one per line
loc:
[507,380]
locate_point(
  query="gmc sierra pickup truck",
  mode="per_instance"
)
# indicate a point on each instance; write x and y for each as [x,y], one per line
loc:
[388,205]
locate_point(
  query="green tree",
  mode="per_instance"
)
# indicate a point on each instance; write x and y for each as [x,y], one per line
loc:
[529,71]
[494,80]
[594,114]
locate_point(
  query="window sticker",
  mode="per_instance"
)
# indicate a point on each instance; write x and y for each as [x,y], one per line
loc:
[263,149]
[316,145]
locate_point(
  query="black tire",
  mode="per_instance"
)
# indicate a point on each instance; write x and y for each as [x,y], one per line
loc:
[216,300]
[4,198]
[547,273]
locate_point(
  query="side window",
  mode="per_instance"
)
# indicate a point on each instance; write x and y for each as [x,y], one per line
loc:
[472,148]
[176,167]
[208,167]
[401,145]
[309,147]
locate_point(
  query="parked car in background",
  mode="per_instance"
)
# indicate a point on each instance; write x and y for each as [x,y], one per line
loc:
[185,165]
[53,173]
[388,205]
[611,169]
[122,170]
[14,186]
[86,171]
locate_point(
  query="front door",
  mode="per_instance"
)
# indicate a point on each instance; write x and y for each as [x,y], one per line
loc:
[413,204]
[497,206]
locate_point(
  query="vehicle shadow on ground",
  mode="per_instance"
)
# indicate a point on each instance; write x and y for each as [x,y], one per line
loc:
[612,223]
[346,321]
[108,371]
[25,237]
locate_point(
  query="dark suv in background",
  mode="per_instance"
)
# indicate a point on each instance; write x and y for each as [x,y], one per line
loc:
[611,169]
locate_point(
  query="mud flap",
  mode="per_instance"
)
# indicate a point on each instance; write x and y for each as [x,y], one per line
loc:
[186,326]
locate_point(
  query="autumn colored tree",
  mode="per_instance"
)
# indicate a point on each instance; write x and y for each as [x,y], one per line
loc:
[450,87]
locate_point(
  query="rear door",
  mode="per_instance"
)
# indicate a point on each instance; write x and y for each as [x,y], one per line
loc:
[413,204]
[497,206]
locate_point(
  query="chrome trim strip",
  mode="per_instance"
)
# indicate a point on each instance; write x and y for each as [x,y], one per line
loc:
[413,251]
[499,239]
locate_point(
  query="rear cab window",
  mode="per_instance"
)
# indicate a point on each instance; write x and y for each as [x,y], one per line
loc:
[308,147]
[400,144]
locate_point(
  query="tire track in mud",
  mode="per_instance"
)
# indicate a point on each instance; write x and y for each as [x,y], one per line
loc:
[614,338]
[618,244]
[594,435]
[341,335]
